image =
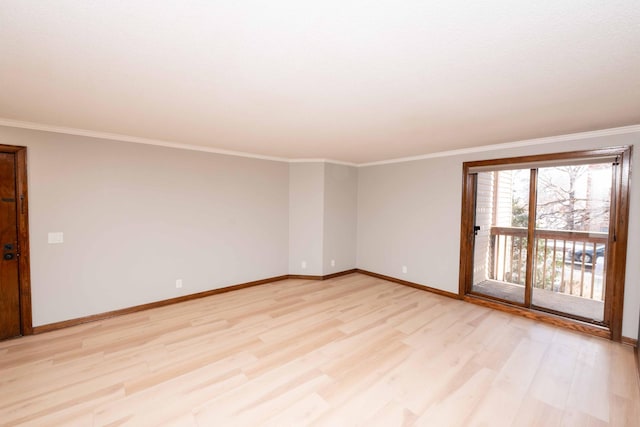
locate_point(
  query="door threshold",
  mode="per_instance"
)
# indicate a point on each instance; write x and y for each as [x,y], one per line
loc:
[541,316]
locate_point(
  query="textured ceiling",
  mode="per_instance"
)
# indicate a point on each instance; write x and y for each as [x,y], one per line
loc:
[356,81]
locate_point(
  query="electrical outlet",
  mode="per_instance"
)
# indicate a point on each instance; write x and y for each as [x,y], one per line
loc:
[178,283]
[303,264]
[333,263]
[404,269]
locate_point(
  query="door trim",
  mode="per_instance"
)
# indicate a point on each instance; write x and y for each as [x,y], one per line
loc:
[26,321]
[618,234]
[531,240]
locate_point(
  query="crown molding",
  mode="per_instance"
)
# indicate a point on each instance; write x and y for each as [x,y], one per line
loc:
[158,142]
[134,139]
[172,144]
[515,144]
[335,162]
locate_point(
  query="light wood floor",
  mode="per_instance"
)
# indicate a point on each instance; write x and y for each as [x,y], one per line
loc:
[350,351]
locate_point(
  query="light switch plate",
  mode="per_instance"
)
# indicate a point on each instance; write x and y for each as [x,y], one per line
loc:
[56,237]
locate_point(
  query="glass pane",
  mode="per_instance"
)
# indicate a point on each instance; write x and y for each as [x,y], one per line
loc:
[500,249]
[572,224]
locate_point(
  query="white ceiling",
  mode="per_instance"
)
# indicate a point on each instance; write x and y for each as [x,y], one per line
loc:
[356,81]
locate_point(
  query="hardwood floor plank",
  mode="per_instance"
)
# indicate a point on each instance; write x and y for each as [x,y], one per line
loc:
[392,414]
[534,413]
[592,372]
[552,383]
[349,351]
[457,402]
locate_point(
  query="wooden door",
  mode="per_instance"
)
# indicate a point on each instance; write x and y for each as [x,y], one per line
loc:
[9,268]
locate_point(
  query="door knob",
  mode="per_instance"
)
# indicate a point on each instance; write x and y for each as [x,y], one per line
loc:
[8,256]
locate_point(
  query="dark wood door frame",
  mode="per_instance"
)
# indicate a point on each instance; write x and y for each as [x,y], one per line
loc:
[22,207]
[618,234]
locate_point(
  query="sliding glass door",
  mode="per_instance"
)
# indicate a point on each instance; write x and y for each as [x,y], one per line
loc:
[500,234]
[544,233]
[573,214]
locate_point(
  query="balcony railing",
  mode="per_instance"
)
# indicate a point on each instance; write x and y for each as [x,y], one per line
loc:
[568,262]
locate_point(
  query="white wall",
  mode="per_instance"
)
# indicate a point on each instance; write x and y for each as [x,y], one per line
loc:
[409,214]
[322,217]
[136,218]
[306,218]
[340,217]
